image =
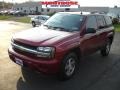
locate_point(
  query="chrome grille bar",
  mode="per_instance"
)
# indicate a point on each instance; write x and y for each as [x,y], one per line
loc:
[25,49]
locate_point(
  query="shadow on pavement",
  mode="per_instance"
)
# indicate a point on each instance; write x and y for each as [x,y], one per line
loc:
[92,69]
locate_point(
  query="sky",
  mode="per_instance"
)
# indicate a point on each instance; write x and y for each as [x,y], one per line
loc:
[108,3]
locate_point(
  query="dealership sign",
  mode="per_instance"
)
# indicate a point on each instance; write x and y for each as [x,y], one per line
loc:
[60,4]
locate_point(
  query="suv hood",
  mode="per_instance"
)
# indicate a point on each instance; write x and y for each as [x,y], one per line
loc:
[40,36]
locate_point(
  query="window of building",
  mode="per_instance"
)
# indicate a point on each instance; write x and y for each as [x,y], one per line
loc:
[36,9]
[25,11]
[48,9]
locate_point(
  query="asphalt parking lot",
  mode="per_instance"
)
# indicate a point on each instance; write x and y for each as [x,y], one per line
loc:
[95,73]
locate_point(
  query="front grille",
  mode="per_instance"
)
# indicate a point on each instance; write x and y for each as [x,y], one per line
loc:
[24,49]
[25,45]
[24,53]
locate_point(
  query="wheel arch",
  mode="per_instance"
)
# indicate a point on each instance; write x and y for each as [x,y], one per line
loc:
[75,50]
[111,38]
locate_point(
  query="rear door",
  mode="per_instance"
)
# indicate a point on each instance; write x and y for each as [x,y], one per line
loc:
[37,20]
[41,20]
[102,30]
[109,26]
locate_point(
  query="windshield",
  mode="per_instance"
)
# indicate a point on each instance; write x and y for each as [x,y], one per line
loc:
[65,22]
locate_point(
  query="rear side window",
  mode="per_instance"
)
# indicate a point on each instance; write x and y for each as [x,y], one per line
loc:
[41,18]
[91,22]
[108,20]
[44,18]
[101,21]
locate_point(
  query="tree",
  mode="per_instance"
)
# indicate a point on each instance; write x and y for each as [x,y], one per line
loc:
[6,5]
[115,6]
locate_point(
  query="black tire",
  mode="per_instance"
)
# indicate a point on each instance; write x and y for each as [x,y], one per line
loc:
[106,49]
[64,73]
[33,24]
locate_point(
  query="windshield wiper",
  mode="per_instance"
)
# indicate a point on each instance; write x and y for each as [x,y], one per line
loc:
[49,27]
[61,29]
[57,28]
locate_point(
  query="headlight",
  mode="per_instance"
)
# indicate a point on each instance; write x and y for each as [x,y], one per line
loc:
[46,52]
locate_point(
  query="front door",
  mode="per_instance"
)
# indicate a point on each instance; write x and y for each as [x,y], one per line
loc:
[89,43]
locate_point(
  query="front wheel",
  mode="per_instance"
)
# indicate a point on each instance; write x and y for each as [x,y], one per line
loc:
[68,66]
[106,49]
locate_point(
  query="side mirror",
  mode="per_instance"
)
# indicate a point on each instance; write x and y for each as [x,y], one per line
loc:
[90,30]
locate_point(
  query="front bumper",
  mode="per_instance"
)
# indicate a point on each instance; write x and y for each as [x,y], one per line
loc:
[40,65]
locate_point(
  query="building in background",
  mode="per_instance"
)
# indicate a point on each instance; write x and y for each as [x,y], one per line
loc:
[28,7]
[114,12]
[36,8]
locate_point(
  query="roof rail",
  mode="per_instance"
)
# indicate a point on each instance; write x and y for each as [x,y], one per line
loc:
[96,12]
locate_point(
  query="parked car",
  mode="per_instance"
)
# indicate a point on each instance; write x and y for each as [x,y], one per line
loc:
[11,12]
[38,20]
[4,12]
[19,13]
[57,46]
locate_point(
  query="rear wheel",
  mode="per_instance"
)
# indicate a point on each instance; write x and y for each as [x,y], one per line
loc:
[33,24]
[68,66]
[106,49]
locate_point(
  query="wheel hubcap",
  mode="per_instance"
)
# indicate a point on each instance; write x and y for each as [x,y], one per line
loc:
[70,67]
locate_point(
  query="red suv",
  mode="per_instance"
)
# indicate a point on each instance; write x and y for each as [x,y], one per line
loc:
[57,46]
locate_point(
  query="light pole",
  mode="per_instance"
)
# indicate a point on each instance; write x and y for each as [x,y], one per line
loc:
[79,9]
